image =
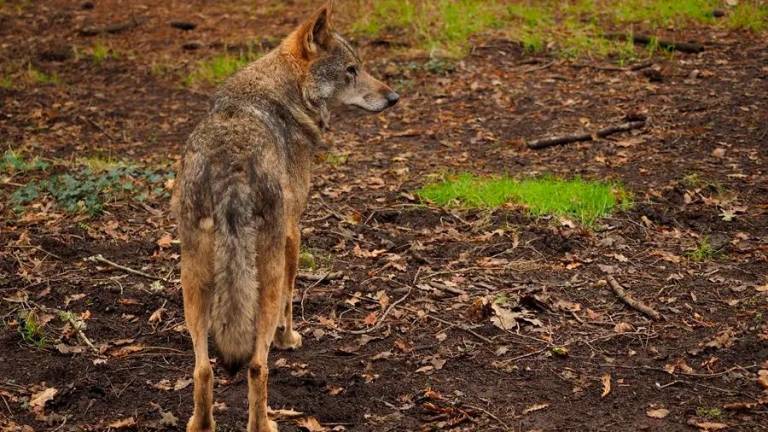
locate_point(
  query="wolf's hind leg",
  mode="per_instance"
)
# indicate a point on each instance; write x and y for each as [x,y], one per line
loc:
[285,336]
[267,319]
[196,281]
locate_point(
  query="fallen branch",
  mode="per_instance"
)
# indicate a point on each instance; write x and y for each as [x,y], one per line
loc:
[113,28]
[99,258]
[631,301]
[319,277]
[380,321]
[686,47]
[567,139]
[633,68]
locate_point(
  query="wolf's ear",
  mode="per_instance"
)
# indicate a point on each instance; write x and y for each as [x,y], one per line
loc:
[316,33]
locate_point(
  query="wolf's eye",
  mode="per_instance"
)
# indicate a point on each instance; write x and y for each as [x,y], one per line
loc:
[352,70]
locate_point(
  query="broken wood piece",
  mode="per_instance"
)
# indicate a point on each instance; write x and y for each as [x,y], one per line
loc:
[100,259]
[115,28]
[686,47]
[319,277]
[631,301]
[567,139]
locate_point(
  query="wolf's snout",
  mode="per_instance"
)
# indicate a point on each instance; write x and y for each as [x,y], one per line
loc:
[392,98]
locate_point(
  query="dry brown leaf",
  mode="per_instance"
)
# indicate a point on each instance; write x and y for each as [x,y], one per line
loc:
[707,426]
[310,424]
[123,423]
[281,414]
[762,378]
[658,413]
[504,319]
[165,241]
[181,384]
[38,400]
[623,327]
[128,349]
[606,380]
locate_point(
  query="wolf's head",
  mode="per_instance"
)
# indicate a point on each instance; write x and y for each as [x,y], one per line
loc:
[333,73]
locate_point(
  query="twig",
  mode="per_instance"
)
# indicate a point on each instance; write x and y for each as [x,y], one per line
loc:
[567,139]
[489,414]
[452,324]
[320,277]
[632,68]
[629,300]
[100,258]
[380,321]
[686,47]
[79,330]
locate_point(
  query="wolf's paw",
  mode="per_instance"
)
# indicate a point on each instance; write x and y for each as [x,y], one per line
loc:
[195,425]
[288,339]
[271,426]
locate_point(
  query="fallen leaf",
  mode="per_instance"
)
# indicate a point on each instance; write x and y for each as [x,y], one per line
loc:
[128,349]
[38,400]
[762,378]
[504,319]
[606,380]
[658,413]
[69,349]
[310,424]
[181,384]
[165,241]
[623,327]
[123,423]
[280,414]
[707,426]
[167,419]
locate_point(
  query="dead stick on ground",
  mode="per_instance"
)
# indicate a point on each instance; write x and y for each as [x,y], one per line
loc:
[629,300]
[380,321]
[686,47]
[567,139]
[489,414]
[101,259]
[319,277]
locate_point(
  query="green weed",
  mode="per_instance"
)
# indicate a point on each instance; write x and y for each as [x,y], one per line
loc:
[6,82]
[584,200]
[101,52]
[87,190]
[217,69]
[14,162]
[31,330]
[710,413]
[336,159]
[703,251]
[35,76]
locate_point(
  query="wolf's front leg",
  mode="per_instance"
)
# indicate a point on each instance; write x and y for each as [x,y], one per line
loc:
[285,336]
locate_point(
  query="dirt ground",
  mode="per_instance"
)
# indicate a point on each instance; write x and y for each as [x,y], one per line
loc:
[579,359]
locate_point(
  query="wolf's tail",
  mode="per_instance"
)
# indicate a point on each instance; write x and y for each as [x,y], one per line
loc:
[236,283]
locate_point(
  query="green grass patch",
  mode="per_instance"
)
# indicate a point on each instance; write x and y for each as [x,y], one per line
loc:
[217,69]
[574,28]
[13,162]
[584,200]
[710,413]
[749,16]
[90,185]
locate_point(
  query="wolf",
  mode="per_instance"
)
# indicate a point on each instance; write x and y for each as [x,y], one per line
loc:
[242,186]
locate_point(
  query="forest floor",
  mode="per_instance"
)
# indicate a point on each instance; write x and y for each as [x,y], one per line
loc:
[503,321]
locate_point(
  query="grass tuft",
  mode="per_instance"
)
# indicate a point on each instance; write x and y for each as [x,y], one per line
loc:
[748,16]
[217,69]
[703,251]
[584,200]
[101,52]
